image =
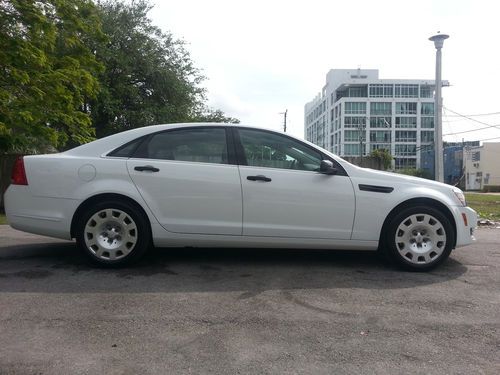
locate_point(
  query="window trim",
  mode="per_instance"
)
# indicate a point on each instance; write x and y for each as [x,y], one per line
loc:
[241,158]
[231,153]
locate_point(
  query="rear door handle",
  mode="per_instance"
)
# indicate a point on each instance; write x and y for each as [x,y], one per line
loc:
[148,168]
[259,178]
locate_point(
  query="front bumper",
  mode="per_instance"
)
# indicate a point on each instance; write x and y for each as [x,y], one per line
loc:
[466,221]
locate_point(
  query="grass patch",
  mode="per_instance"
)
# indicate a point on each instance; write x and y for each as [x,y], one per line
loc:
[486,205]
[3,219]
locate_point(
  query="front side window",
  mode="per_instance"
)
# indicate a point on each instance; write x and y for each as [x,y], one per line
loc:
[200,145]
[264,149]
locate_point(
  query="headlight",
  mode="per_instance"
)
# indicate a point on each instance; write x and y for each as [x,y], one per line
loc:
[460,196]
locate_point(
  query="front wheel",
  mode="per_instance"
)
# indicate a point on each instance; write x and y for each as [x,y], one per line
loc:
[419,238]
[113,233]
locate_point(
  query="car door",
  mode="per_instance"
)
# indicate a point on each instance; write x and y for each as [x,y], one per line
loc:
[189,180]
[284,195]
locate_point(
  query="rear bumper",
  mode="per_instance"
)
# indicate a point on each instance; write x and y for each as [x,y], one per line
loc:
[39,215]
[466,220]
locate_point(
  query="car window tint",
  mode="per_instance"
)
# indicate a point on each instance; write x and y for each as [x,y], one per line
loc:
[127,149]
[264,149]
[195,145]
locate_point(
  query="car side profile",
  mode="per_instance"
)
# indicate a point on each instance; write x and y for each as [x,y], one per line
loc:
[224,185]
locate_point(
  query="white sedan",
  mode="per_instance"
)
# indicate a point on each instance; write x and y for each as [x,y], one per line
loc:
[219,185]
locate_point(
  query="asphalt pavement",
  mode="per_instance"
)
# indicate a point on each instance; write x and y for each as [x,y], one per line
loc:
[233,311]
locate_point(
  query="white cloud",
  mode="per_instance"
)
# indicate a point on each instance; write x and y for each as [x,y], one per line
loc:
[263,57]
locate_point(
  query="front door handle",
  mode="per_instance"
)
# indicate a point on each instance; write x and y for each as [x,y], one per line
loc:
[148,168]
[259,178]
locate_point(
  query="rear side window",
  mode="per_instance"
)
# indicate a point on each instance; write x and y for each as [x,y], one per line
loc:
[205,145]
[127,149]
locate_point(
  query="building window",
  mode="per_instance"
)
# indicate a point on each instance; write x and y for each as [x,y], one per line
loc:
[406,136]
[351,136]
[406,108]
[354,122]
[380,136]
[380,108]
[355,108]
[427,122]
[406,122]
[381,91]
[426,91]
[427,136]
[405,150]
[380,146]
[427,109]
[380,122]
[402,163]
[476,156]
[406,91]
[351,149]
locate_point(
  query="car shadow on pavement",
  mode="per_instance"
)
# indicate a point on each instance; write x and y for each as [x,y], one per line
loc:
[60,268]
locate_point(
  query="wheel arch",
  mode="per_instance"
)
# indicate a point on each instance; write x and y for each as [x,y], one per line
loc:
[99,198]
[419,202]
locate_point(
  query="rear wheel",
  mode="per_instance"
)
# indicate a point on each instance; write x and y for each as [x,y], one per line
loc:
[113,233]
[419,238]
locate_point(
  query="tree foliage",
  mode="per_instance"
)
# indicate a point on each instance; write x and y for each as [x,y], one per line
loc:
[46,72]
[149,77]
[210,115]
[71,70]
[383,155]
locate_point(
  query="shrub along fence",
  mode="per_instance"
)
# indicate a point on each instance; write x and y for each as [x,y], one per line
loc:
[366,162]
[6,163]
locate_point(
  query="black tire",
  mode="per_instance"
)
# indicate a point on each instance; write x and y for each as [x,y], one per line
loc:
[418,245]
[129,226]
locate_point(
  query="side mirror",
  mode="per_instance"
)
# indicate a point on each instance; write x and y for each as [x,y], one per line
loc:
[326,167]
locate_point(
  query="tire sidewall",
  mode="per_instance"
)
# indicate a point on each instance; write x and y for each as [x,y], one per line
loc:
[143,230]
[390,243]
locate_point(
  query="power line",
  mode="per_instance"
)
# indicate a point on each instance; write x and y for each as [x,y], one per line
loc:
[477,114]
[472,119]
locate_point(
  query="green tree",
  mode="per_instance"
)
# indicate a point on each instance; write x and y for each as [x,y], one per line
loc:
[383,155]
[47,73]
[211,115]
[149,76]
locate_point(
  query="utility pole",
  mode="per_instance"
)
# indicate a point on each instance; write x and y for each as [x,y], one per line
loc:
[361,130]
[284,119]
[438,40]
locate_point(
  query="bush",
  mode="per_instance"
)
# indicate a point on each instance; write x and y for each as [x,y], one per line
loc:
[491,189]
[416,173]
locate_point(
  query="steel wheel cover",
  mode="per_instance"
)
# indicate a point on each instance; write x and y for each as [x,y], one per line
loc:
[110,234]
[420,239]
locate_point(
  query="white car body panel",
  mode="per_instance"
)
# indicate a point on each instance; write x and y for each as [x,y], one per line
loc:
[190,197]
[315,211]
[314,205]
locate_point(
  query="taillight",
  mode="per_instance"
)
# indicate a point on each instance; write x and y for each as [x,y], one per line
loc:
[18,176]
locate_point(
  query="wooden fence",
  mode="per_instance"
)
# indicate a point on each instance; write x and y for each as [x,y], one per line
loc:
[6,163]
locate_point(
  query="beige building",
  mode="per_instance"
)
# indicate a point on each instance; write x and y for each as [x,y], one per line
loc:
[482,166]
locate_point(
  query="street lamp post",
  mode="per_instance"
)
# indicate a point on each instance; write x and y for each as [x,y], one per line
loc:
[438,40]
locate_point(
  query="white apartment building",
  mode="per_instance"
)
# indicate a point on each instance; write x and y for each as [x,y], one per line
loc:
[482,166]
[356,112]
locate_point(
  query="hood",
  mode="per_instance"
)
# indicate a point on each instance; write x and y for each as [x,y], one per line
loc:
[389,177]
